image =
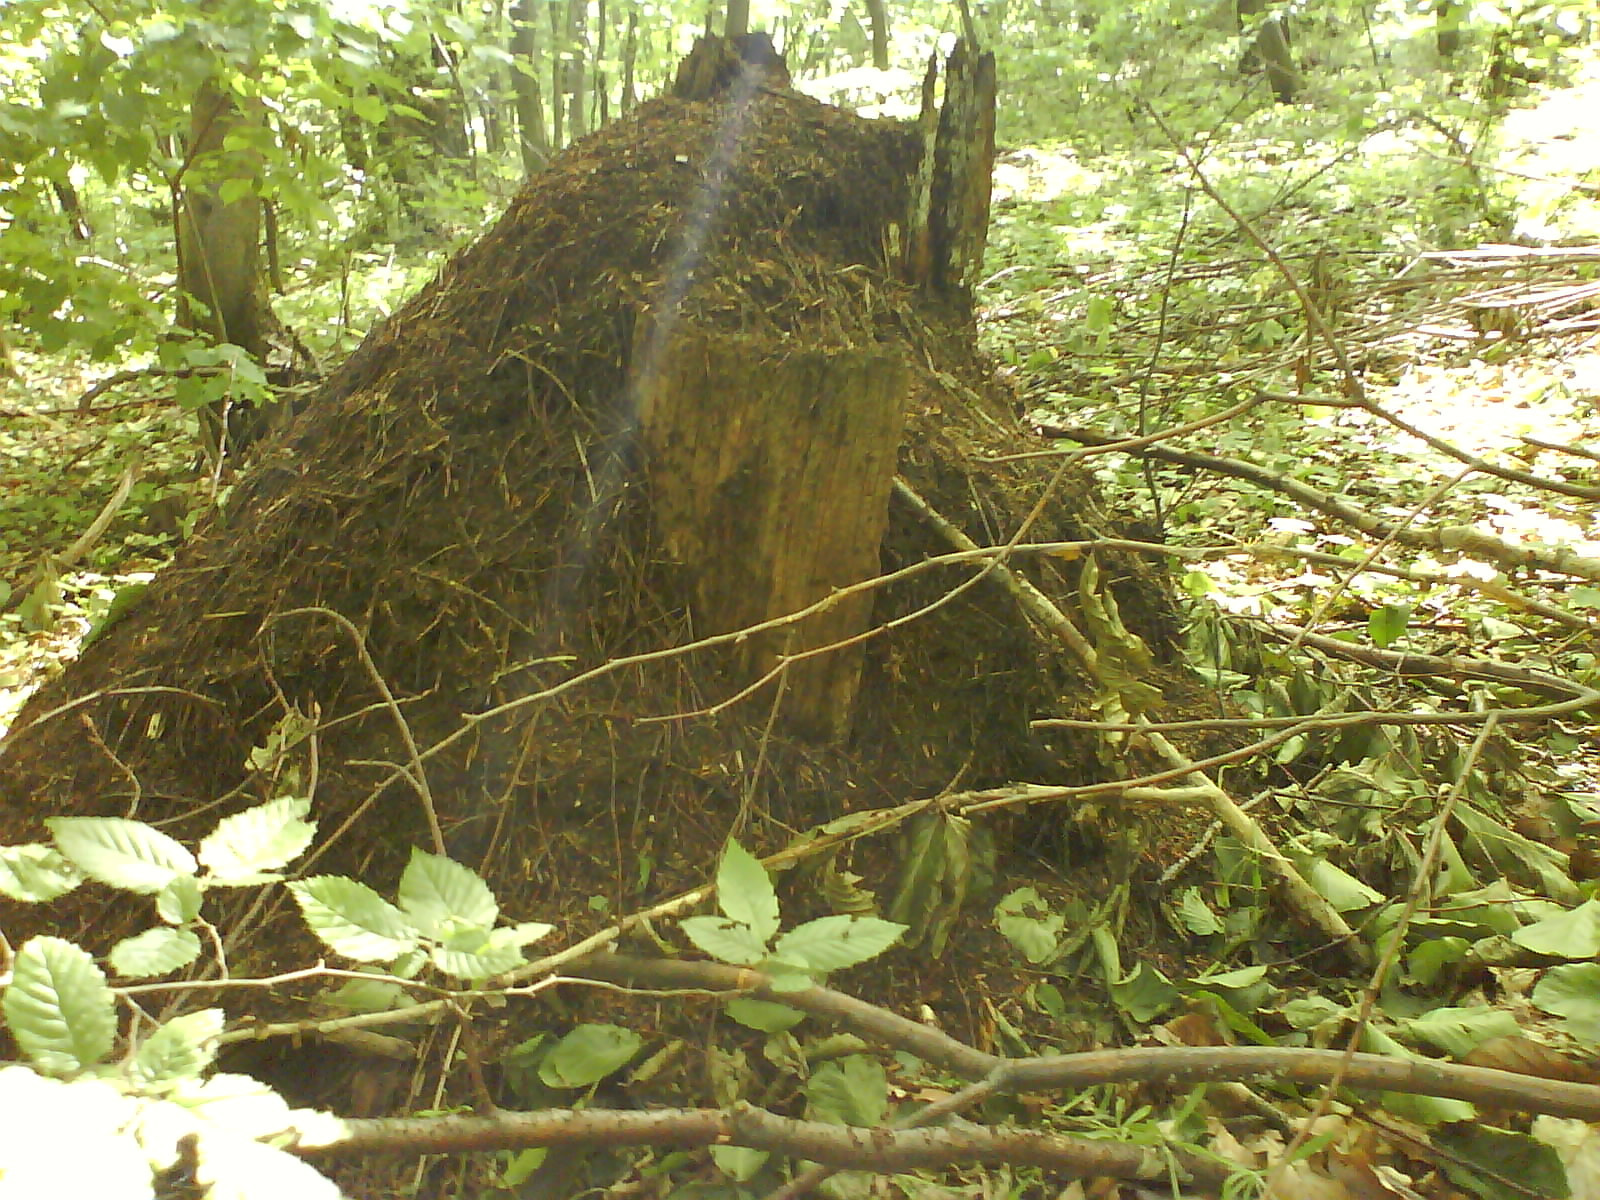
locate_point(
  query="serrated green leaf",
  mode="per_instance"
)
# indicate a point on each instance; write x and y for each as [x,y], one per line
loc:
[1387,625]
[440,895]
[1427,1110]
[352,919]
[587,1055]
[923,864]
[521,1165]
[785,977]
[525,933]
[764,1015]
[477,954]
[182,1048]
[843,893]
[179,902]
[123,853]
[154,952]
[833,943]
[849,1091]
[1572,991]
[1338,887]
[1309,1012]
[1239,979]
[36,873]
[260,839]
[1196,914]
[1144,994]
[1583,596]
[58,1007]
[730,941]
[409,965]
[1425,963]
[1520,859]
[1480,1159]
[744,892]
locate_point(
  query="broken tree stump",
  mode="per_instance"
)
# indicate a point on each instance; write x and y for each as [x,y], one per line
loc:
[769,473]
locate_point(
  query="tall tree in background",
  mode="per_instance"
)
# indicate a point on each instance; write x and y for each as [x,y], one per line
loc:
[630,53]
[222,286]
[1447,19]
[878,22]
[574,60]
[533,141]
[1269,48]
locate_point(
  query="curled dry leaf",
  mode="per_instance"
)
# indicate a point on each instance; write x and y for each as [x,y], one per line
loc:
[1528,1057]
[1192,1029]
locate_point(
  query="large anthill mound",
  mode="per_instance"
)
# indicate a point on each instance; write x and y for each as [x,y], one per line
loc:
[471,495]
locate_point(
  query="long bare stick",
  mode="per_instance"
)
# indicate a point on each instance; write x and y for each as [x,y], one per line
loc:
[1045,613]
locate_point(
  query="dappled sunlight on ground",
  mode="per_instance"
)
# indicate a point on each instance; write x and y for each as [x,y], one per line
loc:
[61,465]
[1488,407]
[1549,147]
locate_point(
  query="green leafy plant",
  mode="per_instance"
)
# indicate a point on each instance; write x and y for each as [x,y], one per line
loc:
[143,1110]
[746,935]
[159,1106]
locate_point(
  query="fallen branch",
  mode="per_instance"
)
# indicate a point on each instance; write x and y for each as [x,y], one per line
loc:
[1302,896]
[50,568]
[840,1146]
[1438,665]
[1452,539]
[886,1150]
[1480,465]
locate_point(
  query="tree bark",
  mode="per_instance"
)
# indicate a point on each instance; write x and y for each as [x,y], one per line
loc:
[1269,50]
[769,475]
[878,23]
[1447,18]
[532,139]
[630,51]
[222,290]
[575,60]
[948,225]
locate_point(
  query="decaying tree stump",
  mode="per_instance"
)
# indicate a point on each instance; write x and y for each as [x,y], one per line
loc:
[770,471]
[948,224]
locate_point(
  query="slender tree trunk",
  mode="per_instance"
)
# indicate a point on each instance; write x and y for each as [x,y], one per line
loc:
[577,62]
[532,140]
[630,48]
[222,291]
[558,75]
[738,23]
[1272,46]
[500,90]
[878,20]
[1269,50]
[72,209]
[598,111]
[1447,15]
